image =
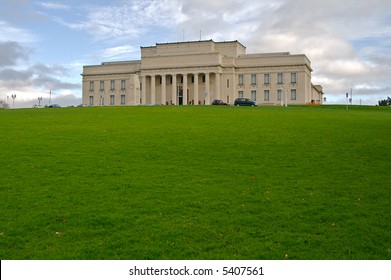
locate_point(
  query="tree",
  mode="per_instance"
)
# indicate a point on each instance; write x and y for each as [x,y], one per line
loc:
[3,105]
[385,102]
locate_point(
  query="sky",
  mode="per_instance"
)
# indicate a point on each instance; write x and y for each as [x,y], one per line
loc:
[44,44]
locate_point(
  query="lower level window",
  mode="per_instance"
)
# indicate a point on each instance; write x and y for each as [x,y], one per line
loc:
[91,101]
[266,95]
[123,99]
[293,94]
[112,99]
[254,95]
[240,94]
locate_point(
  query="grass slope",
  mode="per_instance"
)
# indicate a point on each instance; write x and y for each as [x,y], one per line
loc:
[195,183]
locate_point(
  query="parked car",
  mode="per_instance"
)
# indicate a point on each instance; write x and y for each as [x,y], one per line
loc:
[218,102]
[244,102]
[54,106]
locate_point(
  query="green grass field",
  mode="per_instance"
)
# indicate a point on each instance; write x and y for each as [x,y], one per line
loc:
[195,183]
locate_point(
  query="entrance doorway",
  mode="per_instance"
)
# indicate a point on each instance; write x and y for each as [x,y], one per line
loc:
[180,97]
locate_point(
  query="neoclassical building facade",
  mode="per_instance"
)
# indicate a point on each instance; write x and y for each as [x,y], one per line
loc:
[196,73]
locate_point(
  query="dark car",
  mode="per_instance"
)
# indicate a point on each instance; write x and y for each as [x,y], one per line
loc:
[54,106]
[218,102]
[244,102]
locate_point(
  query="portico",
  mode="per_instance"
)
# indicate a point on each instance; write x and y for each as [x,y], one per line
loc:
[190,88]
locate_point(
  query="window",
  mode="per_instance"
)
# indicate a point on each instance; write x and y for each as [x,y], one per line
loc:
[253,79]
[112,99]
[102,85]
[203,78]
[240,94]
[192,79]
[254,95]
[123,99]
[91,101]
[123,84]
[279,95]
[240,80]
[112,85]
[279,78]
[266,95]
[91,85]
[170,80]
[227,83]
[293,94]
[293,78]
[266,79]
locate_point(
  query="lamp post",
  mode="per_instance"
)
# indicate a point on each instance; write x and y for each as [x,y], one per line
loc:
[351,96]
[39,101]
[13,100]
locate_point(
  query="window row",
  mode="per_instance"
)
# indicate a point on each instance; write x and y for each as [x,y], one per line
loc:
[254,81]
[266,79]
[102,85]
[102,100]
[267,96]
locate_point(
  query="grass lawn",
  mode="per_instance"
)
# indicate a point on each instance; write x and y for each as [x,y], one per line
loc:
[195,183]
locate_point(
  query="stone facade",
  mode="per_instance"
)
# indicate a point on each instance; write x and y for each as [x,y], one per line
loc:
[195,73]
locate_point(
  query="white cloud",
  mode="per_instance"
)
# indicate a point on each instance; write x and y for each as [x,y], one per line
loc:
[29,81]
[10,33]
[54,6]
[120,52]
[119,22]
[28,97]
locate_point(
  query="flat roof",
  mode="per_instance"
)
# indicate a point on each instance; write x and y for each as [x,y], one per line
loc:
[192,42]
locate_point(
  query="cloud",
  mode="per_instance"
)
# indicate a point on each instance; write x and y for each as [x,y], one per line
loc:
[37,75]
[29,99]
[18,76]
[119,52]
[54,6]
[9,33]
[12,52]
[120,22]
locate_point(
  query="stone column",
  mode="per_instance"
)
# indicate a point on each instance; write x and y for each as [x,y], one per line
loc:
[217,86]
[207,89]
[196,98]
[164,89]
[153,90]
[143,96]
[174,90]
[184,89]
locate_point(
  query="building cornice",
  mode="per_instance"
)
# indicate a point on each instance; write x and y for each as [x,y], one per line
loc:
[110,74]
[274,66]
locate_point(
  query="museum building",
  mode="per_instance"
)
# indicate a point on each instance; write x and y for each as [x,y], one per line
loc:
[198,72]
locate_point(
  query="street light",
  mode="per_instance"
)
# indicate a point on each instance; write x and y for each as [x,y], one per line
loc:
[13,100]
[39,101]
